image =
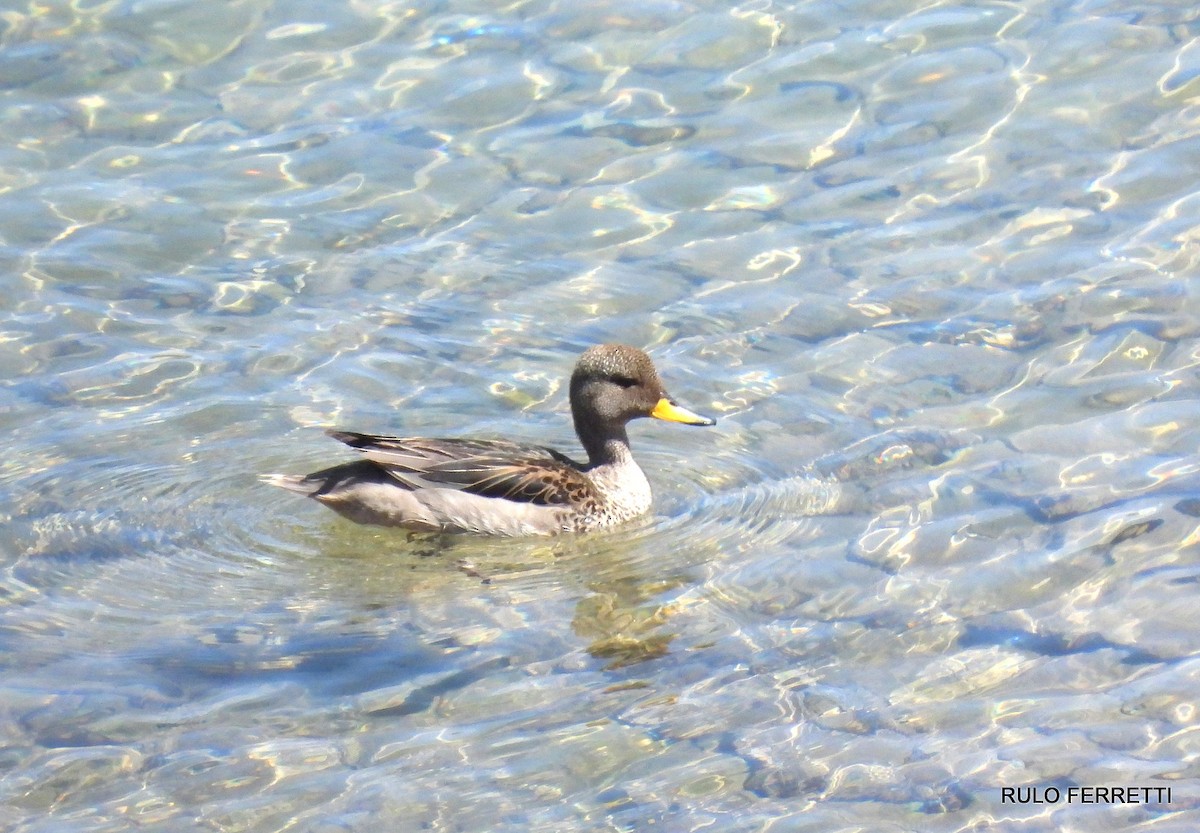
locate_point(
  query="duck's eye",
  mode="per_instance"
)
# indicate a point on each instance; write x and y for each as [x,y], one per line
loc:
[625,381]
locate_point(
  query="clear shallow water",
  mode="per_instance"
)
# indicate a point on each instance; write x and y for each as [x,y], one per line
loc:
[934,268]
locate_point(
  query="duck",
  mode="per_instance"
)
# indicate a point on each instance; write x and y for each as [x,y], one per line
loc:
[503,488]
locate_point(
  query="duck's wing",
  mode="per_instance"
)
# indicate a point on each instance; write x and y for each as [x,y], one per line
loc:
[491,468]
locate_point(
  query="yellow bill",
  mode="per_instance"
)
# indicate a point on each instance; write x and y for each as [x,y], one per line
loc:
[668,410]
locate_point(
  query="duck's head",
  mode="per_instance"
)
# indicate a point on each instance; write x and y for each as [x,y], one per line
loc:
[614,383]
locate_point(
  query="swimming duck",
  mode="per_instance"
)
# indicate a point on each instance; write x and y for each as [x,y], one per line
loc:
[494,487]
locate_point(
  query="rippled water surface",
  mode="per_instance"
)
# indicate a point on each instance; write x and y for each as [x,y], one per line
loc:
[935,270]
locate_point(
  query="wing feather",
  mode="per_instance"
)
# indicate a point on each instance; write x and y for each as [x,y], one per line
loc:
[491,468]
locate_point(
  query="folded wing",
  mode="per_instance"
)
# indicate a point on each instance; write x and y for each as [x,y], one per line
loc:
[491,468]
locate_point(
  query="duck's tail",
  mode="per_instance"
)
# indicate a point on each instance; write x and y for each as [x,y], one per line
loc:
[298,483]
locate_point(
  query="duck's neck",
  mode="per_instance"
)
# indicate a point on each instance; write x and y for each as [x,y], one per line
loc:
[614,474]
[605,447]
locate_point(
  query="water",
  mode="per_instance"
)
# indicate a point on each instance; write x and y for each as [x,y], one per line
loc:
[935,269]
